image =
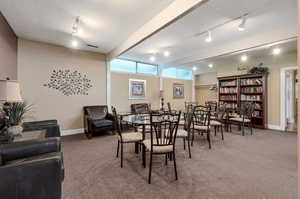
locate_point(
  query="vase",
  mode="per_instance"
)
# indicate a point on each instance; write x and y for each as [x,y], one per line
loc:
[15,130]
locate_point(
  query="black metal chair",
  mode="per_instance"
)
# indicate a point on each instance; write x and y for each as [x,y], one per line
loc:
[244,118]
[185,132]
[163,136]
[201,122]
[125,138]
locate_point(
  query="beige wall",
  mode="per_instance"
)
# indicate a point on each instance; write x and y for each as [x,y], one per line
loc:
[168,92]
[274,63]
[203,94]
[8,50]
[37,60]
[120,91]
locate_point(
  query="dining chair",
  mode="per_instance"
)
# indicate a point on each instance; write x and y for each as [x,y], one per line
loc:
[162,139]
[125,138]
[219,120]
[201,122]
[185,132]
[244,118]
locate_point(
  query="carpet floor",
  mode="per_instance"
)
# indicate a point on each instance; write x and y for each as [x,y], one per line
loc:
[262,166]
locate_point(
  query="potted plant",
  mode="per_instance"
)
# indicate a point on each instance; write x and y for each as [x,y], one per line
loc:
[258,69]
[16,114]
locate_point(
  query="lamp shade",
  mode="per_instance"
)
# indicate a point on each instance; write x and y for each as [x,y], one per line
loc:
[10,91]
[161,93]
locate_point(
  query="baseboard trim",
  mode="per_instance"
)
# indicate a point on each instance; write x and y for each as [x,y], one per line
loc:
[71,132]
[274,127]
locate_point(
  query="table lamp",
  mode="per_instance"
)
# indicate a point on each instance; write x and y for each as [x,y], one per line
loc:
[9,93]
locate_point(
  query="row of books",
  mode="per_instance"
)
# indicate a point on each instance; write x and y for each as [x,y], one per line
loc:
[252,90]
[228,97]
[228,83]
[228,90]
[251,97]
[255,81]
[229,105]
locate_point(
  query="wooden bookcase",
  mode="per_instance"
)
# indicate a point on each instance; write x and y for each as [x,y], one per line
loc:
[234,90]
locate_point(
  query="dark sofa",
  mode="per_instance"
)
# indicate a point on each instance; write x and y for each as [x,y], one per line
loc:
[31,169]
[51,127]
[140,108]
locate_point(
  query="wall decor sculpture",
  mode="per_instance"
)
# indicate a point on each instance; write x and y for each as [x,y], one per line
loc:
[69,82]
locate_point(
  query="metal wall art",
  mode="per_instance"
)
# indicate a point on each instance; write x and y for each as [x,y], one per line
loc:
[69,82]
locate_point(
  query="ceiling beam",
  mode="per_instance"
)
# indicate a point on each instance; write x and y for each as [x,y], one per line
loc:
[169,15]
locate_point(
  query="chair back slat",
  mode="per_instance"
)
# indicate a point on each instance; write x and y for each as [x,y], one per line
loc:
[164,128]
[201,115]
[117,121]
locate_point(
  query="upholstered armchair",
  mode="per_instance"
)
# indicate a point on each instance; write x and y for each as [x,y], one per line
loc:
[140,108]
[97,119]
[31,169]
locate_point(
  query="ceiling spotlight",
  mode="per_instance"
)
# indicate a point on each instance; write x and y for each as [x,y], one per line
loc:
[152,58]
[166,53]
[74,43]
[210,65]
[208,38]
[276,51]
[194,68]
[244,58]
[243,23]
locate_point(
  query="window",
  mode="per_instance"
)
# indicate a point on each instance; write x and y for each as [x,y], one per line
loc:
[123,66]
[177,73]
[146,69]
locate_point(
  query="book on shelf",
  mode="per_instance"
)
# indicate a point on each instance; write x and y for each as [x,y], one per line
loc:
[251,81]
[252,90]
[228,83]
[251,97]
[228,97]
[228,90]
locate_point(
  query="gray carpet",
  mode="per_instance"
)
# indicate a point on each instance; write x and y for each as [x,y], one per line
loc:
[262,166]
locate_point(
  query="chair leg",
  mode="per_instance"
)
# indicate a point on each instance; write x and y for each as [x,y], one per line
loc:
[189,147]
[150,168]
[193,136]
[208,139]
[144,156]
[243,129]
[121,155]
[118,148]
[215,130]
[175,168]
[184,143]
[166,159]
[222,132]
[251,127]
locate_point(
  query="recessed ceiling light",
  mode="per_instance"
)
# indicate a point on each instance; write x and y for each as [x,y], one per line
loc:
[152,58]
[208,38]
[74,43]
[166,53]
[210,65]
[244,58]
[243,23]
[276,51]
[79,32]
[194,68]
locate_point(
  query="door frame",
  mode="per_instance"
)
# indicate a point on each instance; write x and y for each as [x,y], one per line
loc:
[282,95]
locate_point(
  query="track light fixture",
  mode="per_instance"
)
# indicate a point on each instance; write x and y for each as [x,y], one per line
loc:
[208,38]
[243,23]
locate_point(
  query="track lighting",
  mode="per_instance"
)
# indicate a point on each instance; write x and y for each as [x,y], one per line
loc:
[166,53]
[244,58]
[208,38]
[74,43]
[276,51]
[243,23]
[152,58]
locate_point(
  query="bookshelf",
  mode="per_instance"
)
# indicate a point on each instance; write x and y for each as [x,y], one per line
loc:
[235,90]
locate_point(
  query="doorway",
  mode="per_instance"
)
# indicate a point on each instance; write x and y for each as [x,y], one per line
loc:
[290,101]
